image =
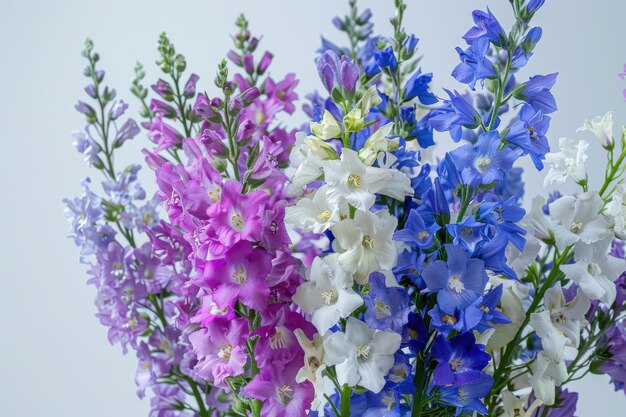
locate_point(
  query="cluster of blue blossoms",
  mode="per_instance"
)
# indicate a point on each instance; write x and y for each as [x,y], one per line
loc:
[459,227]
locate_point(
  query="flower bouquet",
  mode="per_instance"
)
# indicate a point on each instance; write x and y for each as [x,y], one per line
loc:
[338,268]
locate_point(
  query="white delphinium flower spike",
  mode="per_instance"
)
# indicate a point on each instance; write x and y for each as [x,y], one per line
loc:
[362,356]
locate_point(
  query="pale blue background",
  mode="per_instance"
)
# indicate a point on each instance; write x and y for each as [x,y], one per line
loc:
[54,357]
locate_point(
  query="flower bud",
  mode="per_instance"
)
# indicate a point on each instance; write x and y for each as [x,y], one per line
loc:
[410,43]
[160,107]
[327,128]
[90,89]
[248,63]
[118,110]
[365,16]
[370,99]
[338,23]
[349,74]
[203,108]
[250,95]
[190,86]
[601,128]
[235,105]
[320,149]
[245,130]
[128,131]
[266,59]
[84,108]
[353,121]
[234,57]
[376,143]
[164,89]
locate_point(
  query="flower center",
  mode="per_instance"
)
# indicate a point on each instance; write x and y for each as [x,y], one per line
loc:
[483,163]
[533,134]
[594,269]
[559,318]
[285,394]
[236,222]
[362,352]
[273,227]
[570,163]
[132,322]
[324,216]
[239,275]
[277,341]
[424,234]
[368,242]
[354,180]
[455,284]
[216,311]
[382,310]
[455,364]
[225,353]
[448,319]
[314,363]
[215,194]
[117,270]
[389,400]
[484,309]
[576,226]
[329,296]
[398,374]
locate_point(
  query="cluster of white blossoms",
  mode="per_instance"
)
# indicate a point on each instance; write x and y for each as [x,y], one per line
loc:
[336,192]
[577,230]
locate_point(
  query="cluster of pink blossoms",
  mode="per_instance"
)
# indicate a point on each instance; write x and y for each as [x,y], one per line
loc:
[226,208]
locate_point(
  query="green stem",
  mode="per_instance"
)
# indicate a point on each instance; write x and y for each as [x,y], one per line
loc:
[505,360]
[611,175]
[158,310]
[466,198]
[180,103]
[501,85]
[234,149]
[418,381]
[203,411]
[345,400]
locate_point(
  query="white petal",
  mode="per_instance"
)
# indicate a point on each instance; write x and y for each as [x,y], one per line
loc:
[337,348]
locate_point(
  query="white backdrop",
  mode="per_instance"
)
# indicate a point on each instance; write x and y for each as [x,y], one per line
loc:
[54,357]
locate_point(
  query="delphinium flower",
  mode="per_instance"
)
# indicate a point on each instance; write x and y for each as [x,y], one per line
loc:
[575,296]
[353,169]
[134,281]
[464,233]
[227,200]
